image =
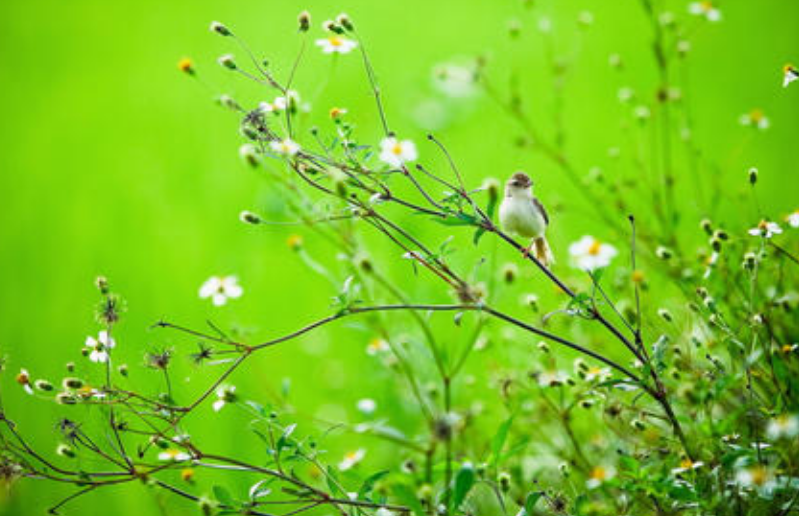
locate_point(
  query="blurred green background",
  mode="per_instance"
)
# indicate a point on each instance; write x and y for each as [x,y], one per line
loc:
[114,163]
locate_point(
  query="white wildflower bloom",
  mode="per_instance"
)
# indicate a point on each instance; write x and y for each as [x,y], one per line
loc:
[351,459]
[286,147]
[283,102]
[786,426]
[367,406]
[384,512]
[335,44]
[552,378]
[766,229]
[225,394]
[24,379]
[455,80]
[590,254]
[755,118]
[267,107]
[710,263]
[793,219]
[687,465]
[98,347]
[599,374]
[790,74]
[173,455]
[395,152]
[220,289]
[755,476]
[705,9]
[599,475]
[642,112]
[377,347]
[625,94]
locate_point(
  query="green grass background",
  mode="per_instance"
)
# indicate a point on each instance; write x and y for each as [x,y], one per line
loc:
[111,162]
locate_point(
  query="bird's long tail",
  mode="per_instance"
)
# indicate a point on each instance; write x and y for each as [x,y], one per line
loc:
[542,252]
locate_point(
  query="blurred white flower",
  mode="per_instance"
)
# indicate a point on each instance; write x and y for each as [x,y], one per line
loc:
[383,512]
[599,374]
[766,229]
[395,152]
[710,263]
[599,475]
[24,379]
[783,426]
[755,476]
[225,394]
[790,74]
[705,9]
[552,378]
[287,147]
[281,103]
[793,219]
[367,406]
[687,465]
[755,118]
[377,346]
[351,459]
[590,254]
[336,45]
[173,455]
[98,348]
[220,289]
[455,80]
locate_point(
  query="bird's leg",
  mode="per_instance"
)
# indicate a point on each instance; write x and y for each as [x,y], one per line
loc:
[527,250]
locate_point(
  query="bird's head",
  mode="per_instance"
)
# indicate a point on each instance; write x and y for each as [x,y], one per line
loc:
[518,183]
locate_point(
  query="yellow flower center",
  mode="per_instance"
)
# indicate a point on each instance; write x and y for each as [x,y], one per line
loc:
[599,473]
[787,348]
[686,464]
[638,276]
[788,68]
[759,475]
[336,42]
[756,115]
[595,247]
[396,149]
[763,225]
[706,6]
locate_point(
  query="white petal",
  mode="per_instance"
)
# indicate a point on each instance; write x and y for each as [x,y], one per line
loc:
[218,404]
[219,299]
[210,287]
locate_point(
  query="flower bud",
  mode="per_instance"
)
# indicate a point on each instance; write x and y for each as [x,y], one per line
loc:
[249,217]
[123,370]
[70,383]
[664,253]
[638,424]
[65,450]
[543,346]
[504,481]
[101,282]
[227,61]
[509,272]
[65,398]
[219,29]
[228,102]
[304,20]
[753,176]
[43,385]
[706,226]
[249,154]
[294,242]
[344,21]
[186,66]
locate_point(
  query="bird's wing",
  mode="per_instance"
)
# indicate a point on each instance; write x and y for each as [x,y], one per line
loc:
[540,207]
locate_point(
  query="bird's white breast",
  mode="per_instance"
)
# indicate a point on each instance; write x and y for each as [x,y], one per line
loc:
[518,215]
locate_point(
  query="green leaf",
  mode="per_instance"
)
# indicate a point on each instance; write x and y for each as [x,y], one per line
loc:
[478,235]
[464,481]
[223,496]
[370,482]
[498,442]
[531,500]
[406,495]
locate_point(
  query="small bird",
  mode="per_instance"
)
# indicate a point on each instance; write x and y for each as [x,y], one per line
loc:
[523,214]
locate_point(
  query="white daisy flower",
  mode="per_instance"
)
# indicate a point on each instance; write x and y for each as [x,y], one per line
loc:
[599,475]
[173,455]
[225,394]
[283,102]
[336,45]
[766,229]
[455,80]
[705,9]
[783,426]
[755,118]
[793,219]
[590,254]
[790,74]
[351,459]
[597,373]
[376,347]
[24,379]
[395,152]
[287,147]
[98,348]
[687,465]
[367,406]
[755,476]
[220,289]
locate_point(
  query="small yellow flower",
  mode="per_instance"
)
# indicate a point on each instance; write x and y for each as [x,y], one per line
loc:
[337,112]
[186,65]
[638,276]
[187,474]
[294,242]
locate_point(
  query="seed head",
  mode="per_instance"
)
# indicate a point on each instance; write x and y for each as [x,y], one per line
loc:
[249,217]
[220,29]
[304,20]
